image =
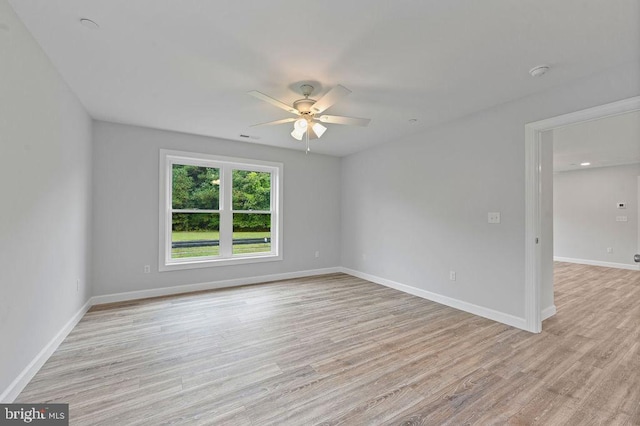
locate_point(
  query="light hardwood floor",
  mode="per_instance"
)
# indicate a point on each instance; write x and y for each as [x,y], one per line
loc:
[339,350]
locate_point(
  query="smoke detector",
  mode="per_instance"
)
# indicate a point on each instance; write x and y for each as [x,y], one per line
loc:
[88,23]
[539,70]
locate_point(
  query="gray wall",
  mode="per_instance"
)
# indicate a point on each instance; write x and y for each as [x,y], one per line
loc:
[585,214]
[45,142]
[125,203]
[417,207]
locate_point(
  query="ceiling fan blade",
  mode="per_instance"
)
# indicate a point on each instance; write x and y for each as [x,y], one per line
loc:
[272,101]
[350,121]
[330,98]
[271,123]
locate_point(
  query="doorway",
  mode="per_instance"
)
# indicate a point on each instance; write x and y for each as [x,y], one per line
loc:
[538,239]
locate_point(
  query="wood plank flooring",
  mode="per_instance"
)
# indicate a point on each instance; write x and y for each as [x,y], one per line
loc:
[336,349]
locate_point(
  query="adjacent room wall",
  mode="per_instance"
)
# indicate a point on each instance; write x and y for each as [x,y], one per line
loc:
[585,214]
[416,208]
[45,155]
[126,188]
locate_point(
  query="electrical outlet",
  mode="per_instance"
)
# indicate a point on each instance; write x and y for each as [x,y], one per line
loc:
[147,269]
[493,217]
[452,275]
[621,218]
[317,254]
[609,250]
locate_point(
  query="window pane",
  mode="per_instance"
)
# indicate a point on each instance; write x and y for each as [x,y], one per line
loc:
[251,190]
[194,187]
[195,235]
[251,233]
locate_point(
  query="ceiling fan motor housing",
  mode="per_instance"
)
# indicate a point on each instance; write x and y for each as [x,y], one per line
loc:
[304,105]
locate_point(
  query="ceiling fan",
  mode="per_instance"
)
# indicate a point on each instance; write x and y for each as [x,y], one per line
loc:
[309,112]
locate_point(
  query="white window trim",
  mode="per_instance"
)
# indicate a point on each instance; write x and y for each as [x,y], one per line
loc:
[226,164]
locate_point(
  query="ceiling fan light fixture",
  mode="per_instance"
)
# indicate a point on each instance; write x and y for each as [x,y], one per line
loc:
[300,125]
[308,112]
[319,129]
[297,134]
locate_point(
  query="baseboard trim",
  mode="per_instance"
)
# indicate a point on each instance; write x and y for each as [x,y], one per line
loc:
[548,312]
[213,285]
[597,263]
[14,389]
[34,366]
[491,314]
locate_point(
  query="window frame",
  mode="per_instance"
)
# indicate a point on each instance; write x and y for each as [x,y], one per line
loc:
[225,209]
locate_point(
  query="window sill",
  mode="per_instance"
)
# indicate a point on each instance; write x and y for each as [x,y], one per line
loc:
[212,263]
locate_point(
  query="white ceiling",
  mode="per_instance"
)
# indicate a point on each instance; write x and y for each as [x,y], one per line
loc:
[609,141]
[188,65]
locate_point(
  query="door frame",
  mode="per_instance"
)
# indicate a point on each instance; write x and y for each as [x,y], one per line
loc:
[534,196]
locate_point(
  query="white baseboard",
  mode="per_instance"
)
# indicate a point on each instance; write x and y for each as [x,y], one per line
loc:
[548,312]
[27,374]
[213,285]
[630,267]
[444,300]
[14,389]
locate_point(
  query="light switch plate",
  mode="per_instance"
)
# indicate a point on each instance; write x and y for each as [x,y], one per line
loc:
[494,217]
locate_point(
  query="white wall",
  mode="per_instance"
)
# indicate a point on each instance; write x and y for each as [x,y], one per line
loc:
[45,194]
[585,214]
[417,207]
[125,203]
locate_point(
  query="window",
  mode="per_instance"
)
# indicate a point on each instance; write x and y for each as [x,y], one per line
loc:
[218,210]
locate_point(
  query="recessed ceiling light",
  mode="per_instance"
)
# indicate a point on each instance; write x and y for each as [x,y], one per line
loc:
[88,23]
[585,164]
[539,70]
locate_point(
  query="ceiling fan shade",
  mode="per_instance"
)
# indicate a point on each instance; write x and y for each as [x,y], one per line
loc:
[301,125]
[299,128]
[297,134]
[307,109]
[318,129]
